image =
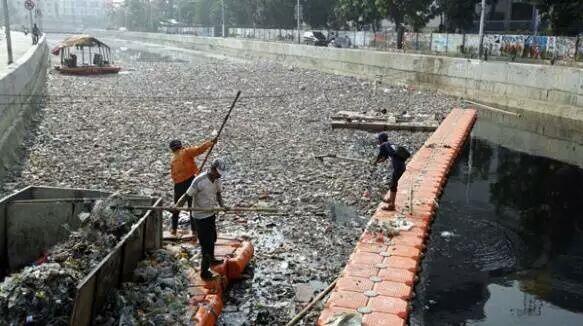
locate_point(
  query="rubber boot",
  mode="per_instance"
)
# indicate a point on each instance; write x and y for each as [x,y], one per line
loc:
[213,259]
[205,265]
[390,206]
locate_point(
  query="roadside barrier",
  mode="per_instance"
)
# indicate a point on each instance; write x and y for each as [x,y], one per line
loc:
[380,275]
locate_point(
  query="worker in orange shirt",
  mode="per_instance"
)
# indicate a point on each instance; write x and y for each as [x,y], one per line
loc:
[183,170]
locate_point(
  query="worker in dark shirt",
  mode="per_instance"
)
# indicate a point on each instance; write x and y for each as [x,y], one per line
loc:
[35,34]
[387,150]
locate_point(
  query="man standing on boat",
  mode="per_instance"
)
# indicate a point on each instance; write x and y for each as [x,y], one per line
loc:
[205,194]
[183,169]
[398,156]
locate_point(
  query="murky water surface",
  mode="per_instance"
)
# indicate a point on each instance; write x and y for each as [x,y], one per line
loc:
[507,245]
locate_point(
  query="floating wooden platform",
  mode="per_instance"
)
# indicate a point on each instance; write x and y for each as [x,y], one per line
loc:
[88,70]
[355,120]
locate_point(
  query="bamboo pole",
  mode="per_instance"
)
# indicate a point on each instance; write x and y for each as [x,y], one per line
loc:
[312,304]
[208,210]
[63,200]
[493,108]
[208,153]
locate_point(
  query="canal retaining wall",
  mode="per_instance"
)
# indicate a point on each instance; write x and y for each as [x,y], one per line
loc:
[543,94]
[380,275]
[21,83]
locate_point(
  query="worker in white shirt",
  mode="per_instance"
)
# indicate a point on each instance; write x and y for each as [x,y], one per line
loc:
[205,191]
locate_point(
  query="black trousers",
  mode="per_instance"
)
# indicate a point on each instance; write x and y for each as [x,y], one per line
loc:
[207,236]
[399,168]
[179,190]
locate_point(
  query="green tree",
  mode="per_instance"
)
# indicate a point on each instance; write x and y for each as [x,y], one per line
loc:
[278,13]
[136,14]
[319,13]
[415,13]
[185,10]
[565,16]
[360,12]
[207,13]
[244,13]
[459,14]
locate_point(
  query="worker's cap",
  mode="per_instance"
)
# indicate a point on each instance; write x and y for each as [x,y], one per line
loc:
[219,165]
[175,144]
[383,137]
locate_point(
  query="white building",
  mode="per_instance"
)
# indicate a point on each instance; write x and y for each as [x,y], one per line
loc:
[80,13]
[61,15]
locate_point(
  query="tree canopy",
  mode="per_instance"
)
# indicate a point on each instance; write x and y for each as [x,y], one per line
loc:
[565,17]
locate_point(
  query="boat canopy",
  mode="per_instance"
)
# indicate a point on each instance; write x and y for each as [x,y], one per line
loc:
[78,41]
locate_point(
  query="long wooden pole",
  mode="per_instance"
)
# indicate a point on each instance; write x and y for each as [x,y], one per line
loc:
[182,198]
[220,129]
[493,108]
[310,306]
[322,157]
[209,210]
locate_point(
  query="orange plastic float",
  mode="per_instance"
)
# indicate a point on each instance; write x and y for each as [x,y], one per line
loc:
[379,277]
[206,303]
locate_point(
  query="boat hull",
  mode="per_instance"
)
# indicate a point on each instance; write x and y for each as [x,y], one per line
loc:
[89,70]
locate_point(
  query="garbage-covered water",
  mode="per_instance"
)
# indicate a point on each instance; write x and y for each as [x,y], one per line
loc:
[111,132]
[506,247]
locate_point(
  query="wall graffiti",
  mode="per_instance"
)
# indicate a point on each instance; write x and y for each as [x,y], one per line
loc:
[526,47]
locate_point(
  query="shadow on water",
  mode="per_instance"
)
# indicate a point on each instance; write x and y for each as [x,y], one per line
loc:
[507,245]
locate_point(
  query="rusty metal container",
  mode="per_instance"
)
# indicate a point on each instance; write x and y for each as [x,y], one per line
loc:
[32,220]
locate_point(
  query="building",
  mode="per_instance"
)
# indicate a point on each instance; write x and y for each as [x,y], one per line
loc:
[61,15]
[80,13]
[509,16]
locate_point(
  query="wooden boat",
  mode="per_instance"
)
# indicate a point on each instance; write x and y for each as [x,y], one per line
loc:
[96,53]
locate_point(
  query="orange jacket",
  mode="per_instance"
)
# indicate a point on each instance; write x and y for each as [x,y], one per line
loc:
[183,166]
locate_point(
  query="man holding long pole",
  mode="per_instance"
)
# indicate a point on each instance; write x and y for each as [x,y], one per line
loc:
[205,193]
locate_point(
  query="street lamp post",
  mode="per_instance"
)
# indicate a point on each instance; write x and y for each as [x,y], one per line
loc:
[298,16]
[223,15]
[7,30]
[481,35]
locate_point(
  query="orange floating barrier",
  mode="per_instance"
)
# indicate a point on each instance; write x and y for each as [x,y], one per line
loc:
[239,260]
[379,277]
[208,311]
[206,303]
[383,319]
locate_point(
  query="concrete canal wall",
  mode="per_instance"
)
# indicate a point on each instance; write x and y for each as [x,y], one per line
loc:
[20,84]
[544,94]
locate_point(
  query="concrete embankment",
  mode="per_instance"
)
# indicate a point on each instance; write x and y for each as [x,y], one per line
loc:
[20,84]
[541,93]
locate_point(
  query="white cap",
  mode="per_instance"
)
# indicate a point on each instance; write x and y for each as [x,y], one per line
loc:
[219,165]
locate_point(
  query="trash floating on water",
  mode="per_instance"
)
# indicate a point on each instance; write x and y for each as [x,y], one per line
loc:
[268,140]
[447,234]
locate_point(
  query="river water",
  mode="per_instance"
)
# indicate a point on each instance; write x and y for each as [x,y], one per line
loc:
[506,246]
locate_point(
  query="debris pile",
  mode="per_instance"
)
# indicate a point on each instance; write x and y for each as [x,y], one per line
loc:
[158,294]
[117,138]
[44,293]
